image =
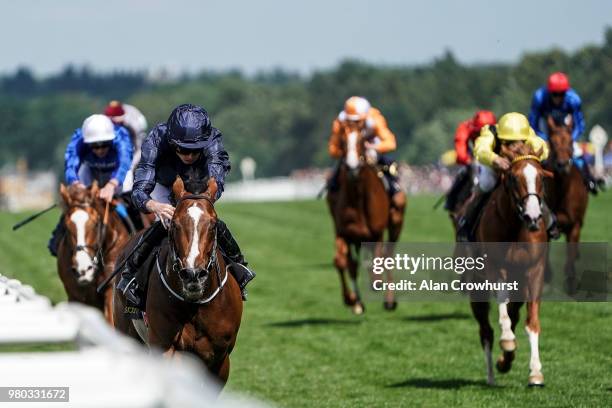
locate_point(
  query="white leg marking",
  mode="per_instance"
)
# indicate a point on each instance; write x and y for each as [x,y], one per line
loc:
[489,362]
[351,152]
[505,323]
[84,262]
[535,366]
[195,213]
[532,206]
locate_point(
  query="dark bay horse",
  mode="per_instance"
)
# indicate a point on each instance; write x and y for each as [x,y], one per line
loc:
[362,211]
[566,193]
[95,235]
[513,216]
[193,303]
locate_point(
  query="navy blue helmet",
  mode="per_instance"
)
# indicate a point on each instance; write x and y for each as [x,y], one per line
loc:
[189,127]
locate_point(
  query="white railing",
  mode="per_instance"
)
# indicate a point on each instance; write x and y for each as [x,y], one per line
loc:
[107,369]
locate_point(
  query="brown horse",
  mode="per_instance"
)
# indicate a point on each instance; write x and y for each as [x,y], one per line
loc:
[193,303]
[513,216]
[88,251]
[362,211]
[566,193]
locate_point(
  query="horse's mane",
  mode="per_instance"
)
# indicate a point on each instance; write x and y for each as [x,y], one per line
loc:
[519,148]
[558,117]
[79,194]
[196,181]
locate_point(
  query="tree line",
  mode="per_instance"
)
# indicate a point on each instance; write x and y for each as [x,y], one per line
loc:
[283,120]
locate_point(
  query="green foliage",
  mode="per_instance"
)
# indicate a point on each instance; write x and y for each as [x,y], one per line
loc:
[283,120]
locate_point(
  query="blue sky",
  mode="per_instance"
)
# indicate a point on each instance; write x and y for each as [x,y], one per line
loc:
[296,35]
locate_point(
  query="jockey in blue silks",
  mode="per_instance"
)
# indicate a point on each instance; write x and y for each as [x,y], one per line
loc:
[557,98]
[97,151]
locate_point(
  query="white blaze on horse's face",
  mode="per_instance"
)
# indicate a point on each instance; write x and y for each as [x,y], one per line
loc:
[85,267]
[195,213]
[352,158]
[532,205]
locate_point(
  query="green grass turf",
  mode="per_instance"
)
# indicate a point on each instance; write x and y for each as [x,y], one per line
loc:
[299,346]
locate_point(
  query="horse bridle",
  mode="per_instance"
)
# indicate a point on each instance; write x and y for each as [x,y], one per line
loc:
[98,250]
[176,265]
[519,200]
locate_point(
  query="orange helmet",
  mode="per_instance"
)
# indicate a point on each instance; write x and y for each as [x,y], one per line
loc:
[481,118]
[356,108]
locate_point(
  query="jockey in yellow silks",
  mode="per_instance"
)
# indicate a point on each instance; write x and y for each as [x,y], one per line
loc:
[512,127]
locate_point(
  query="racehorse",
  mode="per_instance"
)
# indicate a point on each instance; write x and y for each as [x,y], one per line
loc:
[87,252]
[513,217]
[566,193]
[193,303]
[362,211]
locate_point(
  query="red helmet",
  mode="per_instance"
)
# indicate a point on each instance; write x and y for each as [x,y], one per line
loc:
[481,118]
[558,82]
[114,109]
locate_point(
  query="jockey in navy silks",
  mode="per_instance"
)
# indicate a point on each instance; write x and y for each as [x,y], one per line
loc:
[186,144]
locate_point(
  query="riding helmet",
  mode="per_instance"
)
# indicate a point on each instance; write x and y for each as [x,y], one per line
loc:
[189,127]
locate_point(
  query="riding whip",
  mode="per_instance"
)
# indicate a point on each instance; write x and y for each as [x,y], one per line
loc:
[32,217]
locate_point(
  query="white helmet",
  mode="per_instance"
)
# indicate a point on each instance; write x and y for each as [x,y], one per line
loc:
[98,128]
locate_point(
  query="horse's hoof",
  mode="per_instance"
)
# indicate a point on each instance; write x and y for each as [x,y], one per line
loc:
[503,364]
[390,305]
[358,309]
[508,346]
[350,300]
[536,380]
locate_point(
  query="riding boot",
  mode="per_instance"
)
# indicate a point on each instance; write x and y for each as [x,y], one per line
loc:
[453,194]
[332,182]
[231,250]
[56,236]
[551,222]
[591,183]
[128,284]
[465,225]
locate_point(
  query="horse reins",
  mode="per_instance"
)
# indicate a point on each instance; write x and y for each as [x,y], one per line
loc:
[176,263]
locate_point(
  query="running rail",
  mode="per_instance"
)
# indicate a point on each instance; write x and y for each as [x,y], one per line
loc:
[101,367]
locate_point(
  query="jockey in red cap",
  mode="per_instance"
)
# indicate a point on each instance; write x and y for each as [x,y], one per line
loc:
[467,131]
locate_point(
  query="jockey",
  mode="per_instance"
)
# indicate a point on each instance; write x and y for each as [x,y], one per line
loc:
[466,132]
[133,121]
[358,112]
[186,141]
[97,151]
[558,98]
[512,127]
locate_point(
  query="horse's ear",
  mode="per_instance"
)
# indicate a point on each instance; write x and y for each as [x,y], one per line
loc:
[551,123]
[548,174]
[212,188]
[65,195]
[94,190]
[178,188]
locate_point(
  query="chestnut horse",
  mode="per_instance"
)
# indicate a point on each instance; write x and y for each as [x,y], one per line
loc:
[362,211]
[513,218]
[566,194]
[193,303]
[86,254]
